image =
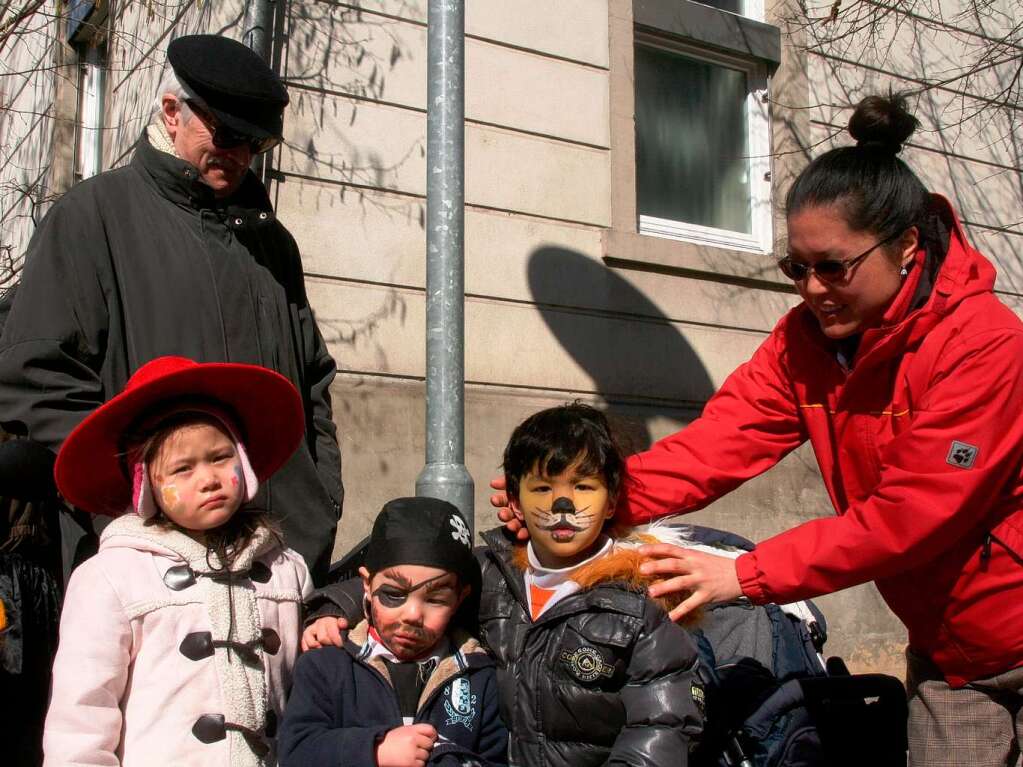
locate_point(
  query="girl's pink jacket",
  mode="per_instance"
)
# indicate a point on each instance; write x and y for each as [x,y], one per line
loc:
[124,693]
[920,447]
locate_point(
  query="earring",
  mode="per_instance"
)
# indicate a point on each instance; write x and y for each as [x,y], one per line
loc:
[903,272]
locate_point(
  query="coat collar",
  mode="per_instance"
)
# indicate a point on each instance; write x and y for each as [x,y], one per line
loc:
[179,182]
[610,583]
[130,530]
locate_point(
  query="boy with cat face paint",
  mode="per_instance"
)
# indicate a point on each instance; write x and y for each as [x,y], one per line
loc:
[592,671]
[410,687]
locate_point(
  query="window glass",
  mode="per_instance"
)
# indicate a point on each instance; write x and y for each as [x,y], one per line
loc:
[692,145]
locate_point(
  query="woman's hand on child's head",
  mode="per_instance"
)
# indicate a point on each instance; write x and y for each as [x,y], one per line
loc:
[407,746]
[504,512]
[703,578]
[324,632]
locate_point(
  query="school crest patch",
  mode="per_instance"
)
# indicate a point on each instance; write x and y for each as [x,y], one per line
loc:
[587,664]
[460,704]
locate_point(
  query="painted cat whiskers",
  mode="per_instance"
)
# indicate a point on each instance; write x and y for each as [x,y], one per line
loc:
[544,517]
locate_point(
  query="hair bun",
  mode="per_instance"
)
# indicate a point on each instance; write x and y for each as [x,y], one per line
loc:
[882,122]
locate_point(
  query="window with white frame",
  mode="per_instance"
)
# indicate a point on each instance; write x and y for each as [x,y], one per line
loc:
[89,128]
[703,136]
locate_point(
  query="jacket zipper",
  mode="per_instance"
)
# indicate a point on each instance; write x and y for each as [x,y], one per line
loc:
[388,687]
[985,551]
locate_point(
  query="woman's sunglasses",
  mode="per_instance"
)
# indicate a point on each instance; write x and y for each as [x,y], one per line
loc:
[228,138]
[828,270]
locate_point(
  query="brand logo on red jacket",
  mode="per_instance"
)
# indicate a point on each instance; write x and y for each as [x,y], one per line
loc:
[962,455]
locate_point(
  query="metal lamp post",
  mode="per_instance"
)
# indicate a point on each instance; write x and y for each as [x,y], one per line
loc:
[445,475]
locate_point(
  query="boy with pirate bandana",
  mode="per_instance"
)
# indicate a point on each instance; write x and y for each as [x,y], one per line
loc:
[592,672]
[410,686]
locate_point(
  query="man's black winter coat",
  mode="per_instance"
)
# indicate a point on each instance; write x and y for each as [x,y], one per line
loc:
[141,262]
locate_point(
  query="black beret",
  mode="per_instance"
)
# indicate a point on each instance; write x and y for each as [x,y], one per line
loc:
[232,81]
[422,531]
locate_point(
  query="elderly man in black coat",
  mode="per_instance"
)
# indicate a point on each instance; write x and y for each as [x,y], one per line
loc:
[179,253]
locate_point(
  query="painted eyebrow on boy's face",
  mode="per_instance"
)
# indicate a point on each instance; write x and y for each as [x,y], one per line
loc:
[408,586]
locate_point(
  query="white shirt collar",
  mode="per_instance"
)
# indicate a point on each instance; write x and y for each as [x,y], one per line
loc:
[549,577]
[558,580]
[374,648]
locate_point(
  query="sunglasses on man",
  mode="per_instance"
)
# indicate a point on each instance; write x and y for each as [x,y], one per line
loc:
[228,138]
[830,269]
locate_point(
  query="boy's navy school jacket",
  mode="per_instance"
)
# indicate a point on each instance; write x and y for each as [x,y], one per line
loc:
[341,706]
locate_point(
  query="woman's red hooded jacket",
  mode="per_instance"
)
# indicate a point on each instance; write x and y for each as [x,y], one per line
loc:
[920,446]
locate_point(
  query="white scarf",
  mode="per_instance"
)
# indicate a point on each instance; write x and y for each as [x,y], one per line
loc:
[159,138]
[558,580]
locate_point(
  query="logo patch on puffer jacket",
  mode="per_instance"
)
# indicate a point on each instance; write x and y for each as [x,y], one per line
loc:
[962,455]
[699,697]
[461,704]
[587,663]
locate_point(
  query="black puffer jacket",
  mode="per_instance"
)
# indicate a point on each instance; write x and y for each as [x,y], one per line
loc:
[602,677]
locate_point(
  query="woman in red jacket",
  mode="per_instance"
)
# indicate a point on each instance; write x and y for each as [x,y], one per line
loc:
[905,373]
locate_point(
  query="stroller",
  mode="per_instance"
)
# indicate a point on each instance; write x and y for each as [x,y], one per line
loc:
[773,700]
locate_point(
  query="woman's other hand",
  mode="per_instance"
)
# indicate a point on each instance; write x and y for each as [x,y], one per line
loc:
[499,500]
[705,578]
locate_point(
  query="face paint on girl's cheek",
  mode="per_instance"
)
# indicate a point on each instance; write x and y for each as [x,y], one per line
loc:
[236,478]
[171,497]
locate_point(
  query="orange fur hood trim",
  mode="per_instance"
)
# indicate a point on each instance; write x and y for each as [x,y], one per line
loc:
[619,566]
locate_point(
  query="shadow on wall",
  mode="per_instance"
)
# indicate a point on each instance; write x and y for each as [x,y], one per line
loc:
[641,365]
[340,62]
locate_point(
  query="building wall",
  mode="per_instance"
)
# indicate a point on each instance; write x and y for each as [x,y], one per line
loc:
[564,299]
[37,108]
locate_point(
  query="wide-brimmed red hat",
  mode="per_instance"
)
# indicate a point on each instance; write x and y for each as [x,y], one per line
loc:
[91,469]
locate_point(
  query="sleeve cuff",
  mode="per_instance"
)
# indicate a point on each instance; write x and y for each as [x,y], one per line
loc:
[749,578]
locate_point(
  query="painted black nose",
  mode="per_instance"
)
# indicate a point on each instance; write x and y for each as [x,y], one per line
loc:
[563,506]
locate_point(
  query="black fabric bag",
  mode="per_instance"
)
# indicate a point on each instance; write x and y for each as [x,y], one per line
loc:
[772,702]
[30,593]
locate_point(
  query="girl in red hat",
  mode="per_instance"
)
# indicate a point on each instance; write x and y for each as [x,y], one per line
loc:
[178,639]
